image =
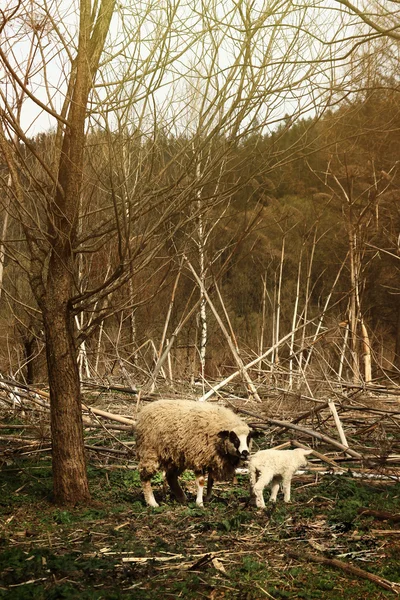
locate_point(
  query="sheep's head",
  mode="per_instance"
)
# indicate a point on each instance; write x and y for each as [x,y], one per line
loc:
[237,443]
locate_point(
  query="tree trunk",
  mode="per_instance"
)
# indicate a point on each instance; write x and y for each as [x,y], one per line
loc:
[396,360]
[29,348]
[69,466]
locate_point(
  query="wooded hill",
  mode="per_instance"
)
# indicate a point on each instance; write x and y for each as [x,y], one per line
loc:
[289,235]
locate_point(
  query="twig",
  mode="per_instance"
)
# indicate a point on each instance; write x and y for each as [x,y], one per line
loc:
[350,569]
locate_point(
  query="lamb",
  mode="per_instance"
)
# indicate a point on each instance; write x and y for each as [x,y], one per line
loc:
[274,466]
[175,435]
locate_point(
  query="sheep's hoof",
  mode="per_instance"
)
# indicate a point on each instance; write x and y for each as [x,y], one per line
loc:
[153,504]
[181,498]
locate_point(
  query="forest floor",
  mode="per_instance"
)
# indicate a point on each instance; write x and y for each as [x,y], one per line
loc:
[325,544]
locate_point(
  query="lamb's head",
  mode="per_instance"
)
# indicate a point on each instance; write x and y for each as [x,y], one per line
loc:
[236,442]
[302,454]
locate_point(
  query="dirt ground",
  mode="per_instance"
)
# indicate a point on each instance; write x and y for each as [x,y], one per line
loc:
[338,540]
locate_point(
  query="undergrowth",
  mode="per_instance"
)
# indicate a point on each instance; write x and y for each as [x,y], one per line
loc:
[228,550]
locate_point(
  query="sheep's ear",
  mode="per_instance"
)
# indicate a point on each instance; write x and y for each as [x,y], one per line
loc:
[223,434]
[255,433]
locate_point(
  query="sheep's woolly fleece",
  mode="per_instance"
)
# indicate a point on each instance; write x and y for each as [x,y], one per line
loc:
[184,434]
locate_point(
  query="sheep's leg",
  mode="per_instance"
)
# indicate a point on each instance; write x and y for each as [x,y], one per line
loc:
[172,478]
[258,488]
[148,494]
[286,481]
[210,483]
[200,487]
[274,489]
[146,473]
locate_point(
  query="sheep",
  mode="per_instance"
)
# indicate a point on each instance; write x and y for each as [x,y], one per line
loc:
[274,466]
[175,435]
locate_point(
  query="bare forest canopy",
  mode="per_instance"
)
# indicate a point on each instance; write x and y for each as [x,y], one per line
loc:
[213,196]
[279,241]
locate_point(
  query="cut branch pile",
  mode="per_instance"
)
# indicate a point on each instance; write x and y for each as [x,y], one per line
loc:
[365,437]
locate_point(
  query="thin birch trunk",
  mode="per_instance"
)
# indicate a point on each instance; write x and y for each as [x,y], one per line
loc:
[83,362]
[343,352]
[273,325]
[263,313]
[278,300]
[354,259]
[245,368]
[235,354]
[322,316]
[307,295]
[353,312]
[98,347]
[166,324]
[202,238]
[155,353]
[366,353]
[338,423]
[203,301]
[294,322]
[171,342]
[4,234]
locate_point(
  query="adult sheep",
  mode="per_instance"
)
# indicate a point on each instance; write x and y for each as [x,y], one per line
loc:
[175,435]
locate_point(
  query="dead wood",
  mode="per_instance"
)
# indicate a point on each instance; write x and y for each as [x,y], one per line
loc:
[322,457]
[379,514]
[309,432]
[346,567]
[108,415]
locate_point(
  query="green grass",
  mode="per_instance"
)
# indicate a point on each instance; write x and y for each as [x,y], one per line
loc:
[228,550]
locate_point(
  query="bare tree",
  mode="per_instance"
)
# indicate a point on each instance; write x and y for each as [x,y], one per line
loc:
[114,77]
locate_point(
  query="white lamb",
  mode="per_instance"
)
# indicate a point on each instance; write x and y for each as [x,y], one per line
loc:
[273,467]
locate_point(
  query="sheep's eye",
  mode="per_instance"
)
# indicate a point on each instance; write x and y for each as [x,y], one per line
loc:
[234,439]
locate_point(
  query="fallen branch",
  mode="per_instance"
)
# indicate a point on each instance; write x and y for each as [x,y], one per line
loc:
[108,415]
[347,568]
[379,514]
[316,454]
[310,432]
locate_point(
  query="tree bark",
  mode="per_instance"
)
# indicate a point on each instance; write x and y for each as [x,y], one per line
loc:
[70,483]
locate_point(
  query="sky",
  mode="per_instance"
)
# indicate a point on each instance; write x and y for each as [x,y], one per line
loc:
[192,64]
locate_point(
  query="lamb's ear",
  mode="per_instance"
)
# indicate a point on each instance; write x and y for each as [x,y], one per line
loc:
[223,434]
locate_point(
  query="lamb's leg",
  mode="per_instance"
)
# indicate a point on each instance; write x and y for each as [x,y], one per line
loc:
[200,487]
[274,489]
[254,474]
[172,478]
[286,481]
[258,488]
